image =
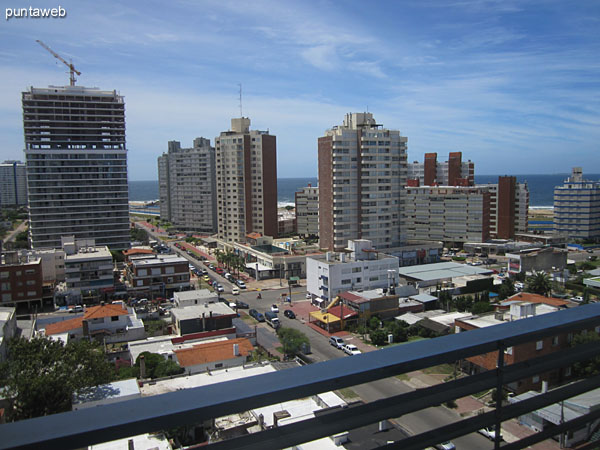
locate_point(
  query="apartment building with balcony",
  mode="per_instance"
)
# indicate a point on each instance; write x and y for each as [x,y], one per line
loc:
[186,180]
[246,179]
[452,214]
[577,207]
[509,207]
[76,162]
[362,174]
[88,270]
[307,211]
[157,275]
[13,184]
[21,279]
[454,172]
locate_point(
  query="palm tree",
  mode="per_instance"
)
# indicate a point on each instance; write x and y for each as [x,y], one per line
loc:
[539,283]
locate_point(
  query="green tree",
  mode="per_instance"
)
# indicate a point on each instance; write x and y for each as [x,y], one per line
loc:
[378,337]
[592,366]
[374,323]
[507,288]
[539,283]
[157,366]
[291,340]
[481,307]
[40,376]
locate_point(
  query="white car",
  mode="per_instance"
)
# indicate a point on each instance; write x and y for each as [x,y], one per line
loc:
[235,291]
[489,432]
[241,284]
[446,446]
[351,349]
[275,309]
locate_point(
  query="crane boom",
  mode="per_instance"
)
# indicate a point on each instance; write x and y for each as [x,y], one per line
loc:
[72,70]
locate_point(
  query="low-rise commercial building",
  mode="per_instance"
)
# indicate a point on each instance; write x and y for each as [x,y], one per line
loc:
[214,355]
[459,277]
[195,297]
[157,275]
[362,268]
[534,260]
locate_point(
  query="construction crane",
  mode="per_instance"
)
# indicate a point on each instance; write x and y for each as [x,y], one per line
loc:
[72,70]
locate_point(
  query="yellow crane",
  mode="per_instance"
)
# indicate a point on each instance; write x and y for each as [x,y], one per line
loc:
[72,70]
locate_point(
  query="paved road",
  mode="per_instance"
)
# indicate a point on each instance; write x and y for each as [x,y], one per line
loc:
[13,234]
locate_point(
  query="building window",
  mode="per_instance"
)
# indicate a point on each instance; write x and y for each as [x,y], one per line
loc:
[539,345]
[5,286]
[114,318]
[346,281]
[6,297]
[535,379]
[31,293]
[568,371]
[30,282]
[3,275]
[509,350]
[554,341]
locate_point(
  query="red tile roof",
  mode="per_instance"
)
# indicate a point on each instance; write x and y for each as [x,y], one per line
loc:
[253,235]
[96,312]
[337,312]
[64,326]
[536,298]
[212,351]
[138,251]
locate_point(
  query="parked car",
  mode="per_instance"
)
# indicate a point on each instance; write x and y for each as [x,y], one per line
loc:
[289,314]
[489,432]
[76,309]
[233,305]
[211,266]
[219,271]
[260,317]
[206,278]
[351,349]
[241,284]
[242,305]
[274,308]
[220,288]
[228,276]
[337,342]
[235,291]
[446,446]
[204,272]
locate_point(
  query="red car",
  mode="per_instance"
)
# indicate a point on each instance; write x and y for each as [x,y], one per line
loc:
[219,271]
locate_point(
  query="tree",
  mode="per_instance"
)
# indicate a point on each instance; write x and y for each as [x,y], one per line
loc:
[291,340]
[539,283]
[590,367]
[481,307]
[507,288]
[378,337]
[40,376]
[374,322]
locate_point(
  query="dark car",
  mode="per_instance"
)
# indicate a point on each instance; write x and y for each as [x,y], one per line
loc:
[242,305]
[289,313]
[258,316]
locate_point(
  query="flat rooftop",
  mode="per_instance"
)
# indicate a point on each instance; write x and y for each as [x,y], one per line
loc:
[204,379]
[89,253]
[195,311]
[159,260]
[438,271]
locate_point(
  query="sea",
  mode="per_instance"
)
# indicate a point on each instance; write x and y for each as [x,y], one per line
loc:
[541,187]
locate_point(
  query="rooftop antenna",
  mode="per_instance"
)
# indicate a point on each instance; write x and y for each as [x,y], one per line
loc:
[241,113]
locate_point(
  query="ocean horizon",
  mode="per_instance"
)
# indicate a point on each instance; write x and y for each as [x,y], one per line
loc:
[541,187]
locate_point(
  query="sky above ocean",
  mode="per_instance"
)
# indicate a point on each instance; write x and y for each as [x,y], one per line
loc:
[514,85]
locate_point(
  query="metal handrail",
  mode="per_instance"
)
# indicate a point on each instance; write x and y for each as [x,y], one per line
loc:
[87,426]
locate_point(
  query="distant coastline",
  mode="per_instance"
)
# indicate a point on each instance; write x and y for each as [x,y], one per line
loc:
[541,188]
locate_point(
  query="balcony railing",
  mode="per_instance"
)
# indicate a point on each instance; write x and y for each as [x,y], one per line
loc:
[88,426]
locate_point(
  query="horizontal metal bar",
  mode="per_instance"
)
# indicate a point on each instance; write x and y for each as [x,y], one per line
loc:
[119,420]
[340,420]
[552,431]
[475,423]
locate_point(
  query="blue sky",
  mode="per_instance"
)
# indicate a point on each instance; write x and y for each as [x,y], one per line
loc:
[514,85]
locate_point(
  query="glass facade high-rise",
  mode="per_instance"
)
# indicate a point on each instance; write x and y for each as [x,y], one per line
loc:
[76,165]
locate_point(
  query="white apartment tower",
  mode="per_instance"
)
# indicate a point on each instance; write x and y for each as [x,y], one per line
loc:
[13,184]
[186,179]
[246,176]
[577,207]
[362,174]
[76,165]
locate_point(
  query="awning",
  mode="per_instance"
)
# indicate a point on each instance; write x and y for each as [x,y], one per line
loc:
[324,317]
[294,278]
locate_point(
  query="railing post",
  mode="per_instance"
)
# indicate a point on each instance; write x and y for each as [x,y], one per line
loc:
[498,396]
